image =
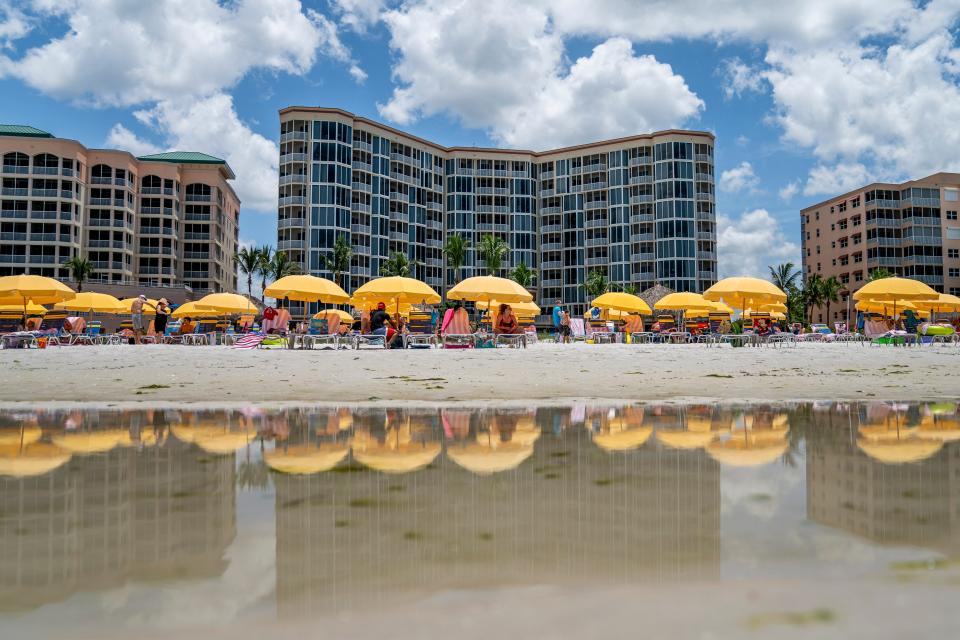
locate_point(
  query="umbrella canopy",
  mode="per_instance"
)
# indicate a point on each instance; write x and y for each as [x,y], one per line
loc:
[682,301]
[393,456]
[775,307]
[32,308]
[31,460]
[397,289]
[23,288]
[89,442]
[326,314]
[776,315]
[307,288]
[737,291]
[227,303]
[886,308]
[620,436]
[488,288]
[191,310]
[21,436]
[215,437]
[620,301]
[306,459]
[487,456]
[945,303]
[899,451]
[126,306]
[521,309]
[91,302]
[699,432]
[895,289]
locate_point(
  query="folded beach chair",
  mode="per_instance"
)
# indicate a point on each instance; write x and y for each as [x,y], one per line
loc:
[599,332]
[91,334]
[318,332]
[667,323]
[577,329]
[53,326]
[206,329]
[420,331]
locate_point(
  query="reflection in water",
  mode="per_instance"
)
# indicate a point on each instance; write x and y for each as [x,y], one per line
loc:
[377,505]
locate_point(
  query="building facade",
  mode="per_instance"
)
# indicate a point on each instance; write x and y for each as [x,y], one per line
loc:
[160,220]
[639,209]
[910,229]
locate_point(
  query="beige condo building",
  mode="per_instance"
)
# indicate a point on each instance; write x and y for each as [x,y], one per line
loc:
[910,229]
[639,209]
[168,219]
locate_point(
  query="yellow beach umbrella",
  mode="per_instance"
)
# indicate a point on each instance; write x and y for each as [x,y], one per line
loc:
[307,288]
[326,314]
[306,459]
[899,450]
[486,288]
[698,433]
[398,289]
[776,306]
[398,453]
[20,436]
[89,442]
[737,291]
[488,456]
[521,309]
[191,310]
[776,315]
[213,437]
[892,289]
[620,436]
[227,303]
[682,301]
[888,308]
[31,460]
[945,303]
[32,309]
[91,302]
[620,301]
[126,306]
[23,288]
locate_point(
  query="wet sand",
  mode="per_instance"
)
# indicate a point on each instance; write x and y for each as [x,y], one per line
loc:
[544,372]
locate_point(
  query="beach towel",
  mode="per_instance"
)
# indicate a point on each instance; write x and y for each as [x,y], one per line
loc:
[249,341]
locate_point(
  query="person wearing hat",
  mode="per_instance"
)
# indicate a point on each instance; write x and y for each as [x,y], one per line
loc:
[163,314]
[381,324]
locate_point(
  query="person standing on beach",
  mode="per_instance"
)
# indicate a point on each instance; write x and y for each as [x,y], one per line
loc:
[564,326]
[136,317]
[163,314]
[557,317]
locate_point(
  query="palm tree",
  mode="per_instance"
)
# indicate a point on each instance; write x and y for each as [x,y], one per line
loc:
[830,292]
[785,275]
[493,250]
[456,251]
[80,269]
[630,288]
[281,266]
[396,265]
[596,284]
[264,266]
[812,295]
[338,261]
[880,273]
[248,261]
[523,275]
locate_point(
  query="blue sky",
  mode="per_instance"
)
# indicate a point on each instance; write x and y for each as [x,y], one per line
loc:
[807,99]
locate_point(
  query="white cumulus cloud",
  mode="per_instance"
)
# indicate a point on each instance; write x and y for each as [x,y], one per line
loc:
[789,190]
[748,244]
[739,78]
[122,138]
[836,179]
[739,178]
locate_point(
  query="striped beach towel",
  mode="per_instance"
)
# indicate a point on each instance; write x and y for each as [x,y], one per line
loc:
[249,341]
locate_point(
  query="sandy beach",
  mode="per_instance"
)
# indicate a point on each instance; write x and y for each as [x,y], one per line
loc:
[543,373]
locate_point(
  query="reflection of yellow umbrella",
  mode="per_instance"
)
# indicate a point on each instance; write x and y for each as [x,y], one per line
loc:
[31,460]
[91,302]
[899,451]
[945,428]
[227,303]
[398,454]
[306,459]
[33,309]
[398,289]
[622,432]
[737,291]
[526,431]
[488,456]
[620,301]
[148,307]
[23,288]
[191,310]
[489,288]
[698,434]
[327,314]
[682,301]
[215,438]
[89,442]
[23,435]
[307,288]
[733,452]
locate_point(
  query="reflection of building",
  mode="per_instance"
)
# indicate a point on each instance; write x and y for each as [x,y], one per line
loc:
[106,518]
[915,504]
[572,512]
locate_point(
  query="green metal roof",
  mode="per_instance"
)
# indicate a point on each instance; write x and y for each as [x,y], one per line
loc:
[190,157]
[23,131]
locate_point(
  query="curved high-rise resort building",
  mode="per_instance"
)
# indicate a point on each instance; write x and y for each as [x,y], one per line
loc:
[638,209]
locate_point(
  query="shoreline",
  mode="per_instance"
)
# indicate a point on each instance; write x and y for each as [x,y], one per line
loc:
[545,374]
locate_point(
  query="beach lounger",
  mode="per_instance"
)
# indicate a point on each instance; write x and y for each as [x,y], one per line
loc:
[10,322]
[319,333]
[577,330]
[91,334]
[53,327]
[420,331]
[511,340]
[455,331]
[204,333]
